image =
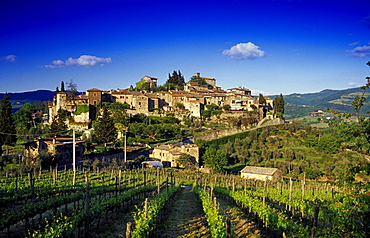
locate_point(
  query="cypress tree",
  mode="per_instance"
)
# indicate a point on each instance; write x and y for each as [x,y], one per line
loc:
[7,124]
[279,106]
[62,87]
[104,129]
[261,99]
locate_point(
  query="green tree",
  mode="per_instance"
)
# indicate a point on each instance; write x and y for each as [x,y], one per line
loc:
[23,118]
[199,80]
[216,159]
[185,160]
[62,89]
[328,144]
[104,129]
[211,107]
[140,159]
[261,99]
[226,107]
[142,85]
[7,124]
[175,81]
[118,112]
[58,125]
[279,106]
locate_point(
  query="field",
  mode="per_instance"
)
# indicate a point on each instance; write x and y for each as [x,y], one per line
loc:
[166,202]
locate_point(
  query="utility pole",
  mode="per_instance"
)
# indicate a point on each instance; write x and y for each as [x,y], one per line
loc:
[125,145]
[74,151]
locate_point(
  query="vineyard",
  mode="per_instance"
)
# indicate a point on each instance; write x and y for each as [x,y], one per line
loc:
[149,202]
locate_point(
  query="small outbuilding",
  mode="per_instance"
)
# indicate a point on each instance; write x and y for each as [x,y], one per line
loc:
[261,173]
[152,164]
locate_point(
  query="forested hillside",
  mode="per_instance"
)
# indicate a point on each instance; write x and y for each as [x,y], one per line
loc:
[300,105]
[294,148]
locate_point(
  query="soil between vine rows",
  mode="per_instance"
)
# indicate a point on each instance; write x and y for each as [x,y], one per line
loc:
[183,217]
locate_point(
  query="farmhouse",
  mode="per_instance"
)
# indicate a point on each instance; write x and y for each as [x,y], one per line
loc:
[261,173]
[169,154]
[59,149]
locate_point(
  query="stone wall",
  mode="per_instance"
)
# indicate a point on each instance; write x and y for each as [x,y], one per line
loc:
[231,131]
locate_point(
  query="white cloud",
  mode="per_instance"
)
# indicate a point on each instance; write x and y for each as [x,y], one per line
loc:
[360,51]
[10,58]
[354,43]
[354,84]
[83,60]
[244,51]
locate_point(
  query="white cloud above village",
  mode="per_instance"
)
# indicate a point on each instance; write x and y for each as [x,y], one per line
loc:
[360,51]
[83,60]
[9,58]
[244,51]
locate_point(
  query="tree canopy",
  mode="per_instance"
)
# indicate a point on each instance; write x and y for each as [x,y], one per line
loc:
[279,106]
[23,118]
[104,129]
[7,125]
[175,81]
[58,125]
[261,99]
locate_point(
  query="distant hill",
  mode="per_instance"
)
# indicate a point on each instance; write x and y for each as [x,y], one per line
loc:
[19,99]
[298,105]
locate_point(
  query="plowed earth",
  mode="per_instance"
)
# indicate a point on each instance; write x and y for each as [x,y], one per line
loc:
[183,217]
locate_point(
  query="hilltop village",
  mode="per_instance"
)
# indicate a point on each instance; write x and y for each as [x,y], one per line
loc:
[189,102]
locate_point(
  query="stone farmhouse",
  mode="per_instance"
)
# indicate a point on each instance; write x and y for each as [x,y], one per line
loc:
[60,148]
[261,173]
[168,154]
[188,102]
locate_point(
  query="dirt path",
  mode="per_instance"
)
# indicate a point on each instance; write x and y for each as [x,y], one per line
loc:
[241,225]
[184,217]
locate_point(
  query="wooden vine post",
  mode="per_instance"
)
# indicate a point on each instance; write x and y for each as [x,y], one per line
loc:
[264,192]
[158,182]
[228,228]
[290,192]
[315,219]
[87,207]
[303,189]
[146,208]
[128,229]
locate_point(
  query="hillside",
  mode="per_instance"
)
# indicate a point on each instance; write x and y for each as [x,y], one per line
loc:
[299,105]
[294,148]
[19,99]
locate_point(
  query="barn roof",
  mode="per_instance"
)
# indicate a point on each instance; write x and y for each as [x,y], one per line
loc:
[153,163]
[259,170]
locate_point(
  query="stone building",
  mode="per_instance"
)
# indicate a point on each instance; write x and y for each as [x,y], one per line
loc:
[168,154]
[188,102]
[261,173]
[59,148]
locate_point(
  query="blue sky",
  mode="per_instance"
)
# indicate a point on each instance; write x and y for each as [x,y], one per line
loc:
[268,46]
